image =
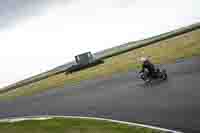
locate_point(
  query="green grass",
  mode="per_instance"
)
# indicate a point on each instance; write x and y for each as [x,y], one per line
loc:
[61,125]
[166,51]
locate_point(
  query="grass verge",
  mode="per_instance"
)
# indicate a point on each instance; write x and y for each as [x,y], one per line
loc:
[166,51]
[71,125]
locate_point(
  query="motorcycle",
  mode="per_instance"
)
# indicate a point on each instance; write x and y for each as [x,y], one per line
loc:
[157,75]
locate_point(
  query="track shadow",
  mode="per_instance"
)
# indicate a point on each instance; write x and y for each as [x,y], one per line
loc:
[153,83]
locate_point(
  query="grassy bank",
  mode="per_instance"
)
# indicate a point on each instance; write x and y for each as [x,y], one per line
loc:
[61,125]
[166,51]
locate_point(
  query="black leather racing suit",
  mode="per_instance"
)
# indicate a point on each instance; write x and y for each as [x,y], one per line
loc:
[149,66]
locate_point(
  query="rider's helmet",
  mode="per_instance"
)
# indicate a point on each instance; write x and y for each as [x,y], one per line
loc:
[143,59]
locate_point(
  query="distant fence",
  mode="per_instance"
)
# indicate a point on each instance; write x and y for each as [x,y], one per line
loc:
[149,41]
[129,46]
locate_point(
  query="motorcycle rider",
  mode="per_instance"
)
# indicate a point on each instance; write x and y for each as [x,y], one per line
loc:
[146,64]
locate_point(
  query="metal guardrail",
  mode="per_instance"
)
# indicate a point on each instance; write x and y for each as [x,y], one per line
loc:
[104,55]
[149,41]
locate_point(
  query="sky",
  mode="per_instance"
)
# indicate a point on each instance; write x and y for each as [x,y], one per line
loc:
[38,35]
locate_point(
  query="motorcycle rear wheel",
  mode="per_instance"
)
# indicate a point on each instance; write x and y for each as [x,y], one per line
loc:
[164,76]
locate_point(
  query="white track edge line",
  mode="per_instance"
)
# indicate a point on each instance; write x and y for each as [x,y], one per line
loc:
[45,117]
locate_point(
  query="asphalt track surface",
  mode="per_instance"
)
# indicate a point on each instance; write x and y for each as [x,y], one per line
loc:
[172,104]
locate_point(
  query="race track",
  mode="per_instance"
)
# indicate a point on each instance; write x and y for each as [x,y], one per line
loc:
[172,104]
